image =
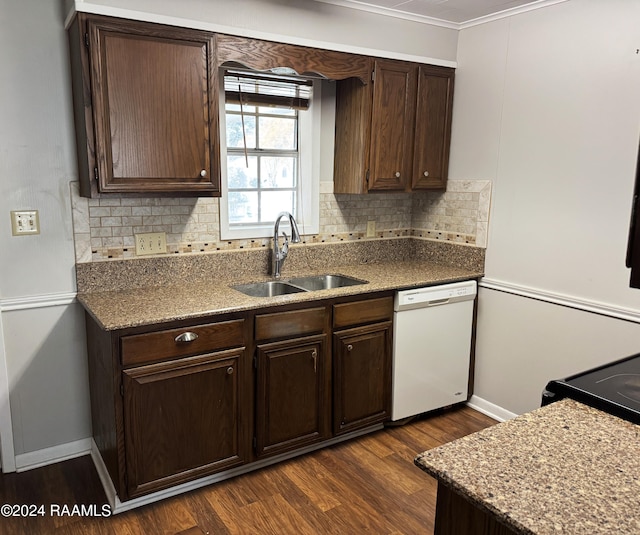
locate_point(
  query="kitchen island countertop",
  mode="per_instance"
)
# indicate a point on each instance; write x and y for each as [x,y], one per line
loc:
[119,309]
[564,468]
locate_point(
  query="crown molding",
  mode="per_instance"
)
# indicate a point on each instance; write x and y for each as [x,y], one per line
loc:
[364,6]
[396,13]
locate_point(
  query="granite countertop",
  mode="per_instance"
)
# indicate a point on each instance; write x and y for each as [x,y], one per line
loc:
[563,468]
[119,309]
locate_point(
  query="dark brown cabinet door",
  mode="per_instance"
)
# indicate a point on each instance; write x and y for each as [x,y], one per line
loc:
[394,90]
[292,403]
[433,127]
[362,376]
[183,420]
[155,108]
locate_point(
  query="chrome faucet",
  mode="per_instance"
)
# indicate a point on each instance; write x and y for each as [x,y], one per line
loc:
[280,255]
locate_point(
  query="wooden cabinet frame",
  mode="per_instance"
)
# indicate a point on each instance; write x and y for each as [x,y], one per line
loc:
[394,134]
[267,55]
[259,364]
[182,420]
[118,390]
[151,133]
[293,394]
[362,376]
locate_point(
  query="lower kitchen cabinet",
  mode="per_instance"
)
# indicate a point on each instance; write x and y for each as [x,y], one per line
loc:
[185,400]
[170,405]
[292,362]
[362,366]
[182,419]
[362,360]
[292,408]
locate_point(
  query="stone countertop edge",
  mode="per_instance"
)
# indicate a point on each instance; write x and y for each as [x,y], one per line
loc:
[127,308]
[563,468]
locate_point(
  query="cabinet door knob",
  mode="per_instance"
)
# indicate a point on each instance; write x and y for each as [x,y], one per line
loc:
[397,174]
[203,173]
[426,173]
[349,347]
[230,370]
[186,337]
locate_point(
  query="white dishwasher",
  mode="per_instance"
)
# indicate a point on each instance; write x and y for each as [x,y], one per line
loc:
[431,347]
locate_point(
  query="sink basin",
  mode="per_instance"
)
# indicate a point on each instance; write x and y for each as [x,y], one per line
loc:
[267,289]
[296,285]
[324,282]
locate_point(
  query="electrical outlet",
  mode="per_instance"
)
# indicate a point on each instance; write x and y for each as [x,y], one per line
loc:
[151,243]
[371,229]
[25,222]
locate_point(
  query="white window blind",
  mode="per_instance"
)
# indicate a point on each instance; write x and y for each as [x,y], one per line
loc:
[264,90]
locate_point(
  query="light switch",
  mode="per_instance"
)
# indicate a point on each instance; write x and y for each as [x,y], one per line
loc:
[25,222]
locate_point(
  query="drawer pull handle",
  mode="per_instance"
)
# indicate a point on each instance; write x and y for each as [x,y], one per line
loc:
[230,370]
[349,347]
[186,337]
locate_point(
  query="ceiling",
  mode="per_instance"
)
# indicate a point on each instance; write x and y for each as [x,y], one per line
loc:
[453,12]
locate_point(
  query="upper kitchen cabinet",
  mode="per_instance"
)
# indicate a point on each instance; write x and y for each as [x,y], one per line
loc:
[146,108]
[394,134]
[433,128]
[394,98]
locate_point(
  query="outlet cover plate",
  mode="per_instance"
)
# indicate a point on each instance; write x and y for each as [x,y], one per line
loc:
[151,243]
[371,229]
[25,222]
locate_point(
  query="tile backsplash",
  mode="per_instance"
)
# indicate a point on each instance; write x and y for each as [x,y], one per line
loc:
[104,228]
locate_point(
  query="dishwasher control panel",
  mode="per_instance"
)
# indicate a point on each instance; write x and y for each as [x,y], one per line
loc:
[435,295]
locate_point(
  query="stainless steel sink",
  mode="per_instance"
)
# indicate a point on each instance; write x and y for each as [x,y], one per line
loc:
[267,289]
[296,285]
[324,282]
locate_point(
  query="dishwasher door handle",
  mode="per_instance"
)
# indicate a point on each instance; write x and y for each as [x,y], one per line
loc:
[437,302]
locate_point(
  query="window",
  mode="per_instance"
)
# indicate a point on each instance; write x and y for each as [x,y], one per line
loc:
[269,166]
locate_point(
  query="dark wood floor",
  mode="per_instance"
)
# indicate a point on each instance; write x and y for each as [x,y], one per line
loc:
[366,485]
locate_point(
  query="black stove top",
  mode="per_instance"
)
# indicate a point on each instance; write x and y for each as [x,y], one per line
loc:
[613,388]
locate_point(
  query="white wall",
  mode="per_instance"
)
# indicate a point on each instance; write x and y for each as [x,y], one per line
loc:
[547,105]
[42,336]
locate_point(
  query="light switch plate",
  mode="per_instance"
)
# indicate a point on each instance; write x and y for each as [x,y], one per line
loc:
[25,222]
[151,243]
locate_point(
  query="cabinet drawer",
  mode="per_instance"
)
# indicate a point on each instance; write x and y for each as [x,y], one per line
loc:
[149,347]
[359,312]
[292,323]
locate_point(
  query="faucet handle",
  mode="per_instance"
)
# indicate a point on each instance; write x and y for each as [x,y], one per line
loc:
[285,246]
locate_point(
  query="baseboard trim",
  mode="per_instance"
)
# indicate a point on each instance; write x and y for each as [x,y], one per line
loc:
[55,454]
[118,506]
[490,409]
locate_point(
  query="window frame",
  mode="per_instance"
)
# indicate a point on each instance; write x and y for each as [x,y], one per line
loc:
[308,190]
